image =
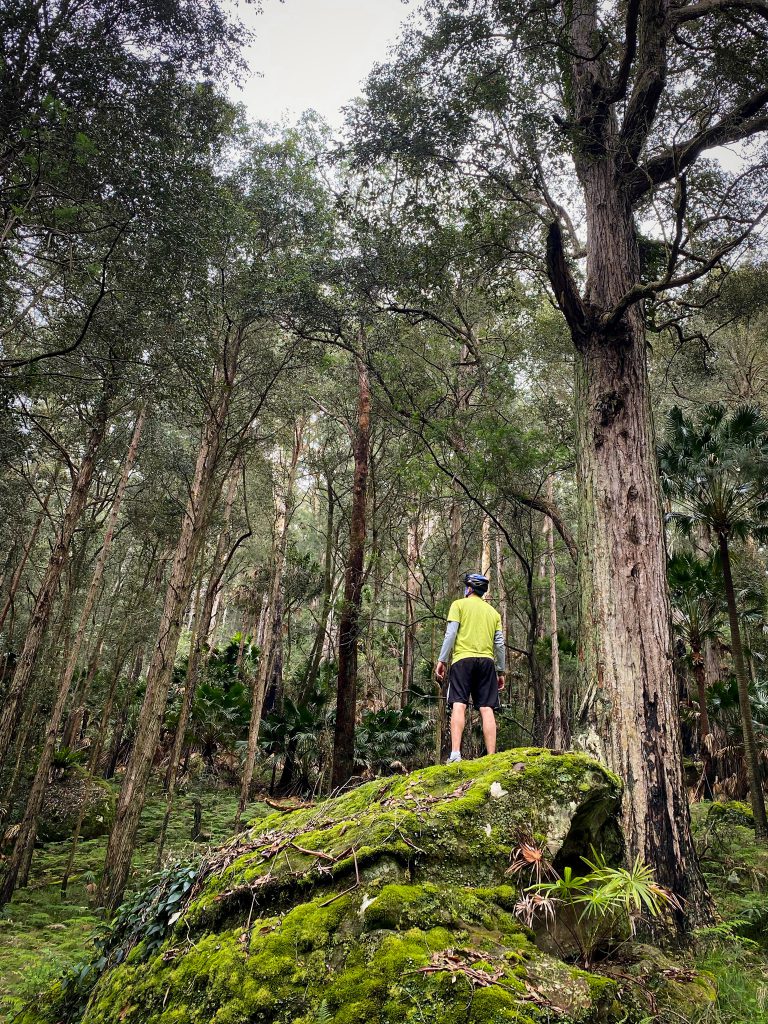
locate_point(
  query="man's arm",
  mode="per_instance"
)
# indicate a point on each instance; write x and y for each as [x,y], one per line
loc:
[500,656]
[451,632]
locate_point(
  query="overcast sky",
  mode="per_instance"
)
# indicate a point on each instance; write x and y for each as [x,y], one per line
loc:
[315,53]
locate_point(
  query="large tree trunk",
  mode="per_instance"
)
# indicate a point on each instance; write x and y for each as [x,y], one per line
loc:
[38,623]
[132,792]
[625,641]
[751,758]
[346,692]
[625,625]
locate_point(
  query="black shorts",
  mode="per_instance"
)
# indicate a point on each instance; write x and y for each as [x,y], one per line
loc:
[473,679]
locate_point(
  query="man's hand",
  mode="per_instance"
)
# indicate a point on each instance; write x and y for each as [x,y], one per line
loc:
[500,680]
[440,671]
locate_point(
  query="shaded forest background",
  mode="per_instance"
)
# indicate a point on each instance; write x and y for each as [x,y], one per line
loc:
[266,394]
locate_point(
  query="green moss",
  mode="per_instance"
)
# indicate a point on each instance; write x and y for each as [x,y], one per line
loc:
[388,904]
[438,824]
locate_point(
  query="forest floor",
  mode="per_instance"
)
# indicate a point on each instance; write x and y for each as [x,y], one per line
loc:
[41,935]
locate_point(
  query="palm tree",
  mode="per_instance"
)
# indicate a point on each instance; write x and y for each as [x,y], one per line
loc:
[715,470]
[695,587]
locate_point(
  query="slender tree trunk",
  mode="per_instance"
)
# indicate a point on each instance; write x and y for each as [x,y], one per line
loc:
[557,712]
[411,596]
[202,631]
[322,626]
[25,667]
[74,725]
[751,757]
[97,750]
[16,578]
[21,749]
[92,768]
[132,792]
[119,730]
[485,556]
[271,601]
[28,829]
[701,688]
[346,693]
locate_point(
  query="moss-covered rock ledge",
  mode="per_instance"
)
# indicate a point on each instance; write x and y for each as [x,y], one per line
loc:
[389,904]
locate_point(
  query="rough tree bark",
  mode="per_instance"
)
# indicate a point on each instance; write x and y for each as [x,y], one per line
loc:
[625,637]
[346,691]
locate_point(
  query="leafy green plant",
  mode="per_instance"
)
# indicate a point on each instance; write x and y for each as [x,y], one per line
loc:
[146,918]
[598,909]
[65,759]
[294,734]
[390,735]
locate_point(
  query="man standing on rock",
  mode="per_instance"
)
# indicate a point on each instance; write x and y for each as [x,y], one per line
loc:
[475,637]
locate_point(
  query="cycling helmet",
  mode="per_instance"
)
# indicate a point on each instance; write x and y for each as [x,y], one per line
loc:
[474,581]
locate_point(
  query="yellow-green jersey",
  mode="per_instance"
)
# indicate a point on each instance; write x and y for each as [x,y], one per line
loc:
[474,631]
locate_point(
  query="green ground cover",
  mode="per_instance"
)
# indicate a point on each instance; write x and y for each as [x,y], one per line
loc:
[42,934]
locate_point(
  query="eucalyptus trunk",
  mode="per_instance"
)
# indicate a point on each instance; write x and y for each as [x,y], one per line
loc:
[272,603]
[346,691]
[557,711]
[751,756]
[625,650]
[411,596]
[130,803]
[38,624]
[316,654]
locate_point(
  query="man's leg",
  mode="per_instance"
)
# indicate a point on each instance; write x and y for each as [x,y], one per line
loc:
[458,718]
[489,729]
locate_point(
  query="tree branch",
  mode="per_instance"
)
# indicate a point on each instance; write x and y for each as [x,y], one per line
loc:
[644,291]
[690,12]
[567,294]
[650,77]
[619,90]
[739,123]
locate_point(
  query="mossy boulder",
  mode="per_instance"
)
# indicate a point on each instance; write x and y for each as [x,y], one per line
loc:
[390,903]
[63,802]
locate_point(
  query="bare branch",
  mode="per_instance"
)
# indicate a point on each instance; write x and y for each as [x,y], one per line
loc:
[690,12]
[644,291]
[619,90]
[741,122]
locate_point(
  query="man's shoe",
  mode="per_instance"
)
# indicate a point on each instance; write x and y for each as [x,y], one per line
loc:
[454,759]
